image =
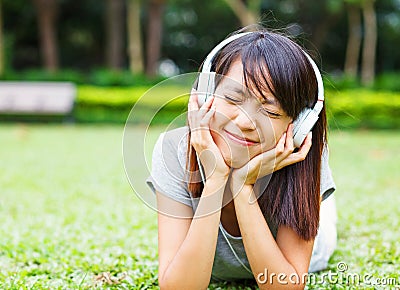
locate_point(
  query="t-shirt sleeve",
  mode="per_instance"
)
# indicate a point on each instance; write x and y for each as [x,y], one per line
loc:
[168,171]
[327,183]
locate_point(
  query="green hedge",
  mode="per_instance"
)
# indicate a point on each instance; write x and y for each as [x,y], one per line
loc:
[346,109]
[113,105]
[363,109]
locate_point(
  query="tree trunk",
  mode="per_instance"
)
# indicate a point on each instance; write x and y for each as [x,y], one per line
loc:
[254,7]
[115,33]
[321,31]
[154,35]
[354,41]
[1,40]
[369,48]
[47,18]
[247,16]
[134,37]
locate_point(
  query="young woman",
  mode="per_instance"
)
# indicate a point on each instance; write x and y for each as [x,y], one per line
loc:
[236,199]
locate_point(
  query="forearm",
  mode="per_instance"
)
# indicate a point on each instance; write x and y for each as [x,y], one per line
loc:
[263,253]
[192,265]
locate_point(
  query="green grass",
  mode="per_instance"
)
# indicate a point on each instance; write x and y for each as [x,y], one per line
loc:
[69,215]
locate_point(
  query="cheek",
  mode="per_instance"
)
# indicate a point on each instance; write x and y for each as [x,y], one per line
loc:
[271,133]
[223,111]
[223,146]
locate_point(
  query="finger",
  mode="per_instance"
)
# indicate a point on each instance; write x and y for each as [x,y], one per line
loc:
[193,101]
[280,146]
[260,161]
[301,154]
[264,162]
[207,105]
[289,146]
[306,146]
[205,122]
[194,116]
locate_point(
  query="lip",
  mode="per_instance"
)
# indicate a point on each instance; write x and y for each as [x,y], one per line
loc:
[240,140]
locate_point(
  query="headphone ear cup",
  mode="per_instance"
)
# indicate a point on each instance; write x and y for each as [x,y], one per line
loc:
[205,87]
[300,119]
[303,125]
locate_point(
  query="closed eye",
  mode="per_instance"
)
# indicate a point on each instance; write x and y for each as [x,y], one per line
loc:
[271,114]
[232,99]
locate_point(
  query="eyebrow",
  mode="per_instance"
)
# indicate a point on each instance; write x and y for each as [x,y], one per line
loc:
[265,99]
[269,101]
[236,89]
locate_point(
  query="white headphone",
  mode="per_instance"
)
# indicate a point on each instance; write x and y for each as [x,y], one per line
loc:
[307,117]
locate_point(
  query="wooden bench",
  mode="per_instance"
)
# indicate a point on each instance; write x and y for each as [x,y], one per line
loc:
[36,100]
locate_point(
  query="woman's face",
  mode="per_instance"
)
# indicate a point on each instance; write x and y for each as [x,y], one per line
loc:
[244,125]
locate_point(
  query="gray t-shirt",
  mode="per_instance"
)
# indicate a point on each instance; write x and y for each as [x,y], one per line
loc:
[169,176]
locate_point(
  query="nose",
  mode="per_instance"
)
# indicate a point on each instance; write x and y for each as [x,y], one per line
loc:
[244,119]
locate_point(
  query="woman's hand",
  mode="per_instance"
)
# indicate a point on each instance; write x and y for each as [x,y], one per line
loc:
[201,139]
[267,162]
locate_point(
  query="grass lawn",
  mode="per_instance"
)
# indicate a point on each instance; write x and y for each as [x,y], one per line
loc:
[70,220]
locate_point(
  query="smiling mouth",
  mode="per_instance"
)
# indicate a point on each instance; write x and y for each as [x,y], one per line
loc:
[240,140]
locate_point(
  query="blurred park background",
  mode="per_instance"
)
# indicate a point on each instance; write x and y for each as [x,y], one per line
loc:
[69,217]
[115,50]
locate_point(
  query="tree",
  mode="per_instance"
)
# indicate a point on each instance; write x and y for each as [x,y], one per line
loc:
[46,11]
[115,33]
[1,41]
[369,47]
[246,14]
[154,35]
[134,37]
[354,40]
[329,13]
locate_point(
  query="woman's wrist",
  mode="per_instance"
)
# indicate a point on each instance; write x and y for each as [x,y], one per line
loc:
[216,183]
[239,187]
[237,182]
[218,179]
[219,175]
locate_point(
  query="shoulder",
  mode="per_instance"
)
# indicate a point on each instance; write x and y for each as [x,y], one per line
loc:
[170,149]
[168,173]
[173,143]
[177,136]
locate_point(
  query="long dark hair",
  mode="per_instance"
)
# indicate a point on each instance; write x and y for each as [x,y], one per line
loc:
[273,62]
